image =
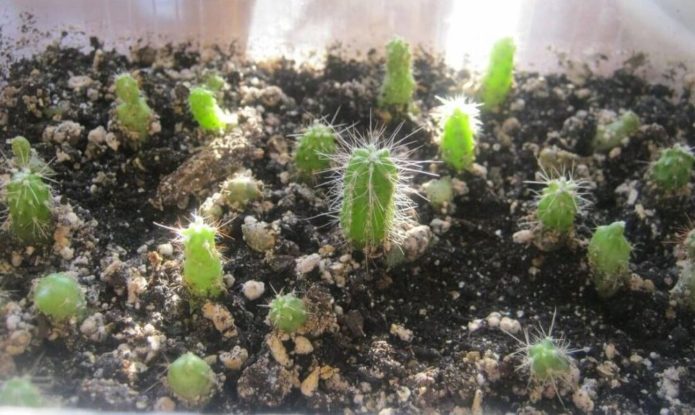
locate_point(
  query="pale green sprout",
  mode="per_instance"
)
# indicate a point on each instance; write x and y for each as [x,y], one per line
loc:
[207,112]
[132,111]
[191,379]
[202,266]
[499,76]
[439,192]
[459,119]
[399,84]
[609,258]
[612,134]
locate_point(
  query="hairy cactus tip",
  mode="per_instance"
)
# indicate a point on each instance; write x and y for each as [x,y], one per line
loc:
[672,171]
[202,263]
[370,193]
[132,111]
[287,312]
[612,134]
[191,379]
[29,198]
[202,102]
[499,76]
[399,84]
[59,297]
[546,358]
[315,147]
[459,119]
[609,258]
[561,199]
[20,392]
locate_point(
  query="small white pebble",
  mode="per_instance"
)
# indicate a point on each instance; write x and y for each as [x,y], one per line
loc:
[165,249]
[402,332]
[253,289]
[510,325]
[302,345]
[307,263]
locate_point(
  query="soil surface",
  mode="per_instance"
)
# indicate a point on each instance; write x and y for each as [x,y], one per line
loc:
[424,336]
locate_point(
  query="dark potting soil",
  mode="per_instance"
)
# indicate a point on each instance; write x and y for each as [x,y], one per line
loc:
[425,335]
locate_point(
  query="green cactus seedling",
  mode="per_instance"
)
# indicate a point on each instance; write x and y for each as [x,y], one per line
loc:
[314,148]
[241,189]
[559,202]
[206,111]
[672,171]
[609,258]
[59,297]
[399,84]
[191,379]
[611,135]
[28,197]
[460,123]
[202,266]
[499,76]
[20,392]
[287,312]
[132,112]
[439,192]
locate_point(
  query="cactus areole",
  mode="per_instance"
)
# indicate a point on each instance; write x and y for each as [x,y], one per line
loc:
[369,189]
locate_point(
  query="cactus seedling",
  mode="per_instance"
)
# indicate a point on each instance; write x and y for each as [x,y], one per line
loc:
[20,392]
[314,148]
[132,112]
[609,258]
[684,290]
[191,379]
[202,266]
[287,312]
[672,171]
[559,202]
[59,297]
[206,111]
[439,192]
[241,189]
[610,135]
[499,76]
[459,120]
[399,83]
[28,196]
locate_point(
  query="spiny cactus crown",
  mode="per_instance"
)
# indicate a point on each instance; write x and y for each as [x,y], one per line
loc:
[206,111]
[241,189]
[611,135]
[287,312]
[191,379]
[28,196]
[314,148]
[133,111]
[399,84]
[673,169]
[499,76]
[20,392]
[559,202]
[59,297]
[459,119]
[202,266]
[609,257]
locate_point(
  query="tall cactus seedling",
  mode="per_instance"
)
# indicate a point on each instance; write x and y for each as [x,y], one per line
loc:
[399,84]
[202,266]
[371,198]
[459,121]
[499,76]
[132,111]
[28,196]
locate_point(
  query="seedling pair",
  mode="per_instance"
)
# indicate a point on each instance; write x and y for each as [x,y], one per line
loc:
[28,196]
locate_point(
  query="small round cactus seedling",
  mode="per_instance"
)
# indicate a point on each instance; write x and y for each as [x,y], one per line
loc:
[459,120]
[559,202]
[314,148]
[609,258]
[399,84]
[672,171]
[20,392]
[287,312]
[132,112]
[439,192]
[499,76]
[241,189]
[206,110]
[202,266]
[611,135]
[191,379]
[59,297]
[28,197]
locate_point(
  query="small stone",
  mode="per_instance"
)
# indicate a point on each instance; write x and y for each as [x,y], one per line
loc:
[493,320]
[311,382]
[253,289]
[510,325]
[221,318]
[524,236]
[277,350]
[165,249]
[165,404]
[307,263]
[302,345]
[235,359]
[259,236]
[403,333]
